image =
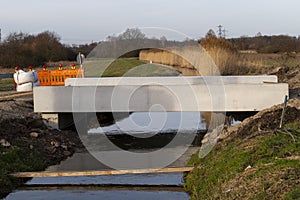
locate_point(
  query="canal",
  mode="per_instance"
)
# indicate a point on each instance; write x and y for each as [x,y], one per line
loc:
[138,186]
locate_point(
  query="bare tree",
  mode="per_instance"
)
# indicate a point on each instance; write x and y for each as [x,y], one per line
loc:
[132,33]
[210,33]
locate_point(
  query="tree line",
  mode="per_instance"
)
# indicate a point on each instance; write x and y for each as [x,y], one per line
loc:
[26,49]
[268,44]
[260,43]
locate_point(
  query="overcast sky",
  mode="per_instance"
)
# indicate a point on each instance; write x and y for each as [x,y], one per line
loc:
[93,20]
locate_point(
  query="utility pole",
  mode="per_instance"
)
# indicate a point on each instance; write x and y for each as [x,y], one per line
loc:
[220,31]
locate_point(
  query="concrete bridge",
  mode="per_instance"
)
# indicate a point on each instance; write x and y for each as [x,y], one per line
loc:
[156,94]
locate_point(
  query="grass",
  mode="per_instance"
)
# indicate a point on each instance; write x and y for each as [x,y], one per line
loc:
[294,194]
[15,159]
[217,169]
[224,168]
[6,84]
[125,67]
[268,60]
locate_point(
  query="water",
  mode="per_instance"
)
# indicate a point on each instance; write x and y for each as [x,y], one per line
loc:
[139,186]
[104,187]
[6,76]
[138,123]
[142,186]
[95,194]
[127,179]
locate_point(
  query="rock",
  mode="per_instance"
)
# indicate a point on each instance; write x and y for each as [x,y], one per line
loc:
[55,144]
[228,190]
[36,130]
[34,134]
[249,167]
[53,151]
[213,135]
[36,123]
[204,140]
[5,143]
[67,153]
[64,147]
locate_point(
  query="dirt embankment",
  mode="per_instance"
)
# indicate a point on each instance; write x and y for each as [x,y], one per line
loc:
[252,160]
[255,159]
[290,75]
[26,143]
[265,120]
[18,121]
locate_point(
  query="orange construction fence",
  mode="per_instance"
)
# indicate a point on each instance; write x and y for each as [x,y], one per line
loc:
[58,77]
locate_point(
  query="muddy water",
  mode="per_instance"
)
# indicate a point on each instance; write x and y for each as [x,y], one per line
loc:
[144,186]
[135,187]
[98,194]
[141,186]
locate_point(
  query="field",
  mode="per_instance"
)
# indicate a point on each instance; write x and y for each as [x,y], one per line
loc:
[107,68]
[6,84]
[267,60]
[228,62]
[125,67]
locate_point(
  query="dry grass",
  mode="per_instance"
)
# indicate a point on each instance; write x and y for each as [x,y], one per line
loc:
[228,62]
[164,57]
[269,60]
[220,60]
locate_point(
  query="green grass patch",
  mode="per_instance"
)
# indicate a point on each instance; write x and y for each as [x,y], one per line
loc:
[125,67]
[270,154]
[294,194]
[218,167]
[16,159]
[293,125]
[274,147]
[279,63]
[6,84]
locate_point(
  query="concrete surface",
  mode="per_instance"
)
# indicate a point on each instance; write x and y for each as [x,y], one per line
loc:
[181,80]
[178,94]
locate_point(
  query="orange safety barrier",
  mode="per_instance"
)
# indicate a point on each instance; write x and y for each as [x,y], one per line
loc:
[44,78]
[57,77]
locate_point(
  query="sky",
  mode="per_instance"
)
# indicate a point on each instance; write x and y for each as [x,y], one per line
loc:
[85,21]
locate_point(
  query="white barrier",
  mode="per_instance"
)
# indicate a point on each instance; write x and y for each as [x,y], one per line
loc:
[26,80]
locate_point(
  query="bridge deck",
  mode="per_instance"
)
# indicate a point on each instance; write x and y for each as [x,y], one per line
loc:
[173,94]
[170,80]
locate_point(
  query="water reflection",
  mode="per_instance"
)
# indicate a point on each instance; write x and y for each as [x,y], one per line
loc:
[107,195]
[154,122]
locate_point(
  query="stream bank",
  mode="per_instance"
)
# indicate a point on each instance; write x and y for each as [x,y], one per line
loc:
[252,160]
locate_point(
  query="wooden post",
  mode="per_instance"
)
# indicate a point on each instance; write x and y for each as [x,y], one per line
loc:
[101,173]
[283,111]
